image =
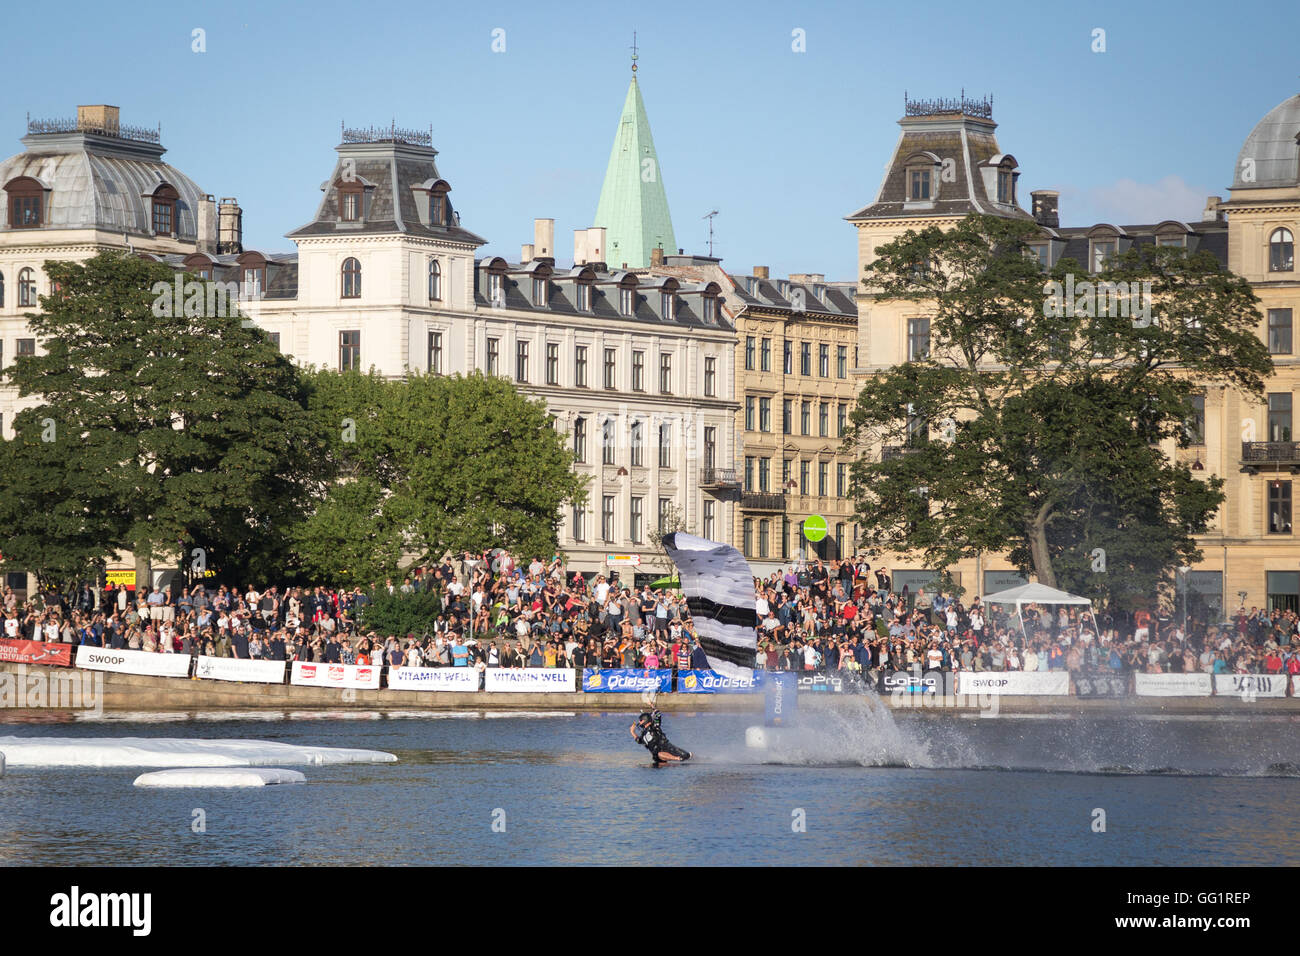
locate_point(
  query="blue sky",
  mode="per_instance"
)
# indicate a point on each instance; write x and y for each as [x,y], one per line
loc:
[782,143]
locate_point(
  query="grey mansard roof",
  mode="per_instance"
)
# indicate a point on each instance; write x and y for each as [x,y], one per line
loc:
[1271,153]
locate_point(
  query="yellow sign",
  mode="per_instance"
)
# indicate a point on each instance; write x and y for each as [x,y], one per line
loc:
[120,578]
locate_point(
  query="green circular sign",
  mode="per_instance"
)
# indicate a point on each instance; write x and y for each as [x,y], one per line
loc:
[814,528]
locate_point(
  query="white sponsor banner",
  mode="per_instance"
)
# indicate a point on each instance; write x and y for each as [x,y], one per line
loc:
[433,678]
[1250,685]
[133,662]
[1172,685]
[365,676]
[234,668]
[1028,683]
[530,680]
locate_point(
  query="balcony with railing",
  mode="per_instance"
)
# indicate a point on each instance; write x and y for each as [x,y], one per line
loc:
[888,452]
[719,478]
[762,501]
[1265,454]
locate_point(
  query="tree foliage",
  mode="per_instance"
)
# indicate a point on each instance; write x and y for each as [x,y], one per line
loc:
[1033,429]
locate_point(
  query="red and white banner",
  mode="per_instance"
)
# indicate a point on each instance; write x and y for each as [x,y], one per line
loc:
[529,680]
[133,662]
[362,676]
[1028,683]
[36,652]
[433,678]
[1172,685]
[234,668]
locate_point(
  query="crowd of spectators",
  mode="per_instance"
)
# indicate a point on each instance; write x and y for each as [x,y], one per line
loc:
[839,616]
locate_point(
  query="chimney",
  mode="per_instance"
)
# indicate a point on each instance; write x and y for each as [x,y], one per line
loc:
[544,238]
[207,238]
[230,227]
[808,278]
[1212,211]
[98,119]
[760,272]
[526,253]
[657,256]
[1046,207]
[588,245]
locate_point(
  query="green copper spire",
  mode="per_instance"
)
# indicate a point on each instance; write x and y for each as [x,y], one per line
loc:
[633,207]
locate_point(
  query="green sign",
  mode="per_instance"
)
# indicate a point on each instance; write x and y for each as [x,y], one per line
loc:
[814,529]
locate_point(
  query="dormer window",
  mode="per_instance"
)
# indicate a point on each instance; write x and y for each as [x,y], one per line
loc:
[709,308]
[1103,249]
[26,203]
[1174,241]
[626,300]
[1038,251]
[351,193]
[1006,187]
[437,205]
[539,292]
[164,210]
[495,294]
[583,291]
[1281,251]
[918,189]
[668,304]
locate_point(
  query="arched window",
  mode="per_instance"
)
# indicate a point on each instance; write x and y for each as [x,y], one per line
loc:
[164,210]
[1281,251]
[435,280]
[26,203]
[27,287]
[351,278]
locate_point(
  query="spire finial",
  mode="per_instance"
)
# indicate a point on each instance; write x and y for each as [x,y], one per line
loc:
[634,58]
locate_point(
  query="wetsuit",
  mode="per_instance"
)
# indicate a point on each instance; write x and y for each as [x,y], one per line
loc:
[650,734]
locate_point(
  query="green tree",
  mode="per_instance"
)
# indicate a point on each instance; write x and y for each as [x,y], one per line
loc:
[160,425]
[1033,428]
[432,464]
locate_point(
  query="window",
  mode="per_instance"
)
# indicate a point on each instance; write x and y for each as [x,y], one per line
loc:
[839,538]
[710,308]
[2,290]
[749,472]
[1279,416]
[919,185]
[710,447]
[254,278]
[785,538]
[1179,241]
[841,361]
[493,356]
[765,474]
[607,519]
[521,361]
[1102,249]
[1196,422]
[611,367]
[749,413]
[1006,187]
[787,416]
[748,543]
[841,473]
[579,524]
[580,366]
[350,194]
[626,301]
[539,292]
[275,339]
[1283,590]
[607,448]
[710,377]
[27,287]
[824,361]
[805,418]
[765,414]
[637,444]
[789,358]
[1038,252]
[917,430]
[805,358]
[351,278]
[668,305]
[1281,251]
[580,440]
[665,373]
[26,203]
[803,477]
[350,351]
[1279,331]
[841,420]
[435,353]
[552,363]
[1279,507]
[164,211]
[435,281]
[26,347]
[824,420]
[708,521]
[918,339]
[635,524]
[785,475]
[496,292]
[763,527]
[638,372]
[583,291]
[765,356]
[749,353]
[823,478]
[665,514]
[665,445]
[436,203]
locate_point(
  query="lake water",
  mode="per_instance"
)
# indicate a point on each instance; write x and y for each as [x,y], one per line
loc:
[850,784]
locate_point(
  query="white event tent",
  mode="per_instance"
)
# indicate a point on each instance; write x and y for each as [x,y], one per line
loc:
[1038,594]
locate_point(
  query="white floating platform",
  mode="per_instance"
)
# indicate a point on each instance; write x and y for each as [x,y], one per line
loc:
[218,777]
[173,752]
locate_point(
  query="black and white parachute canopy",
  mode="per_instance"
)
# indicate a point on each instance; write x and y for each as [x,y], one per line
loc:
[719,589]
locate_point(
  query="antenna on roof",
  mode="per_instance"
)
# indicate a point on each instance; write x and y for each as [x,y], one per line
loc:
[634,53]
[710,218]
